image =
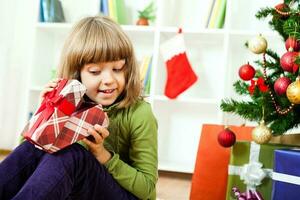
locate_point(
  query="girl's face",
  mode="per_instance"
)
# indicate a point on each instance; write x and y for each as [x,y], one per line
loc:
[104,81]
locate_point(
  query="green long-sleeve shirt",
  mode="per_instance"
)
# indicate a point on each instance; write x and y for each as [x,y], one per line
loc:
[133,141]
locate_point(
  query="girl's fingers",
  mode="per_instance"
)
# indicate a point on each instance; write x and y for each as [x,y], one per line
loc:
[90,144]
[51,85]
[47,90]
[44,92]
[96,135]
[103,131]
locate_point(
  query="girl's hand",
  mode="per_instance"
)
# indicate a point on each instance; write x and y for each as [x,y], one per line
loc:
[96,147]
[48,88]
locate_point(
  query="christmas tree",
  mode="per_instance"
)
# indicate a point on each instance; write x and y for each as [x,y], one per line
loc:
[273,85]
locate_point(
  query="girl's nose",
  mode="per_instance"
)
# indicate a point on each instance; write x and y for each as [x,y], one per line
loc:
[107,77]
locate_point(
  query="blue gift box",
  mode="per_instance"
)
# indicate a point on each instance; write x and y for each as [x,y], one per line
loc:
[286,175]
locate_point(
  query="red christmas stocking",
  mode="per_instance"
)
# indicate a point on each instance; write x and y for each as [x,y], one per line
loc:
[180,75]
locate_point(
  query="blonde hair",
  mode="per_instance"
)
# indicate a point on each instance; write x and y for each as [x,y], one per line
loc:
[99,39]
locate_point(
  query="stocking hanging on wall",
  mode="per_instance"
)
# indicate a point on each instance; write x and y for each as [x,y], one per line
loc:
[180,75]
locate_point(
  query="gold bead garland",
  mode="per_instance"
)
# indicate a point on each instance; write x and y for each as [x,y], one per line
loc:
[283,13]
[277,108]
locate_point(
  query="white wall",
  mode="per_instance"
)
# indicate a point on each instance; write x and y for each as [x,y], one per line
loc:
[16,22]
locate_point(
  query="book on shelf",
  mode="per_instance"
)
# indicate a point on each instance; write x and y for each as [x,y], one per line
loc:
[145,73]
[115,9]
[51,11]
[121,12]
[104,7]
[144,66]
[41,13]
[221,15]
[205,11]
[112,10]
[210,12]
[217,15]
[147,80]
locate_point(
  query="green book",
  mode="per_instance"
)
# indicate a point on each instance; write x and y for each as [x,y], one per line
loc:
[221,15]
[121,12]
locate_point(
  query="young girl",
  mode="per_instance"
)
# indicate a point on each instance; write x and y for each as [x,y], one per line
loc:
[121,161]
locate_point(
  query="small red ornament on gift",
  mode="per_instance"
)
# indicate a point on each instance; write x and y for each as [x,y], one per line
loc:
[63,117]
[226,137]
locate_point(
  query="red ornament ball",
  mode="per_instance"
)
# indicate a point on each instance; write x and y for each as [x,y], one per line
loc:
[291,44]
[246,72]
[287,61]
[282,7]
[226,138]
[281,84]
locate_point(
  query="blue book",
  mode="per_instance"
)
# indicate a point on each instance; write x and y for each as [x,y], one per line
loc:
[41,13]
[104,7]
[45,6]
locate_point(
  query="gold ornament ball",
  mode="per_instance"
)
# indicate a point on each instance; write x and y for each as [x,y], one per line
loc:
[261,134]
[258,44]
[293,92]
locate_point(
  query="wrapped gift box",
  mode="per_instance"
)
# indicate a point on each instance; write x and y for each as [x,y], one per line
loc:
[250,160]
[210,173]
[286,175]
[63,117]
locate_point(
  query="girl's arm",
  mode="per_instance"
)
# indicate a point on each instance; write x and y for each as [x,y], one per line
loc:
[140,176]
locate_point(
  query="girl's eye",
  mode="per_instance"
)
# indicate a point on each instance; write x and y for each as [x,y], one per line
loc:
[118,69]
[95,72]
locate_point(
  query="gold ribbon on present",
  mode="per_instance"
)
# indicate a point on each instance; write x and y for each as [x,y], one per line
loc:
[287,139]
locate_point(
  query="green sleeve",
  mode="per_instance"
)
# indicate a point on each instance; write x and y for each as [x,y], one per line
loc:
[140,177]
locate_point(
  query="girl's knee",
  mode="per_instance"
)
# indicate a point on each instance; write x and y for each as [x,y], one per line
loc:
[73,155]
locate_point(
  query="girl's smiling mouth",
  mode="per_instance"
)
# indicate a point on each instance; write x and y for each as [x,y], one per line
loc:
[108,91]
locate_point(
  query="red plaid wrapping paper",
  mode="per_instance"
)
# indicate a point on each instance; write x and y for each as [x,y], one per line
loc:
[61,129]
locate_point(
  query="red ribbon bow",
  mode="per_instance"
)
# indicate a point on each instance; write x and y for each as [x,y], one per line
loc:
[260,83]
[54,99]
[248,195]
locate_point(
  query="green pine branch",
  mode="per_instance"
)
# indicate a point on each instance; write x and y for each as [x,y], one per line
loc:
[292,27]
[264,12]
[248,110]
[240,87]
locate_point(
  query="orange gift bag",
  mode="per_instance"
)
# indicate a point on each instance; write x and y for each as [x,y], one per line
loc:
[209,180]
